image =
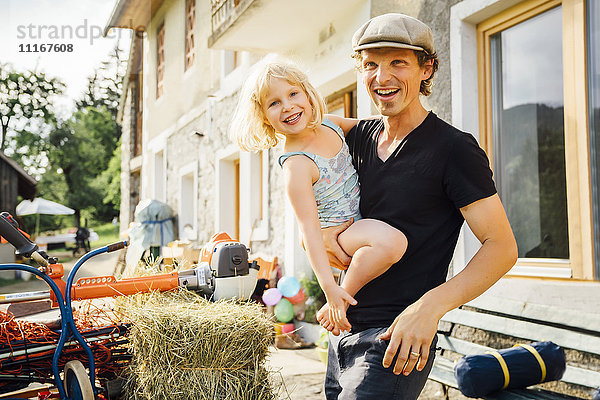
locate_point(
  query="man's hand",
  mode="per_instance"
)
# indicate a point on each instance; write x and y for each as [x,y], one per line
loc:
[410,336]
[337,257]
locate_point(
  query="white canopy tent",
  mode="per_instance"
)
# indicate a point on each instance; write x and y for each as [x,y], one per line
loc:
[42,206]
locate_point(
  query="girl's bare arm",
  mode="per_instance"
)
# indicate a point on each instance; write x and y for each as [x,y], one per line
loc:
[299,173]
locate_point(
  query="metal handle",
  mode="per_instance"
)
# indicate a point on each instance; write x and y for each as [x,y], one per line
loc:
[117,246]
[9,231]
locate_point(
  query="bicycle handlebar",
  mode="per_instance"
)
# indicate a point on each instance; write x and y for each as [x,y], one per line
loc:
[9,230]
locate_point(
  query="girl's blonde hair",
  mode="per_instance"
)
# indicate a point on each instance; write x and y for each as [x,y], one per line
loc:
[250,128]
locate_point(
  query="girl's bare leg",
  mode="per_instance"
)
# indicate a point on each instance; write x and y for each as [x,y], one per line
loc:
[374,247]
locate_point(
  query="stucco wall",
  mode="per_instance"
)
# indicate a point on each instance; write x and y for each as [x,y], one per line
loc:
[197,81]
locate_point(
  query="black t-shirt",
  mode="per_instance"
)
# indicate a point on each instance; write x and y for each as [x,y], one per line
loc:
[418,190]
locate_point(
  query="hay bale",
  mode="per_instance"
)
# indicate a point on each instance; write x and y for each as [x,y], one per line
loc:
[185,347]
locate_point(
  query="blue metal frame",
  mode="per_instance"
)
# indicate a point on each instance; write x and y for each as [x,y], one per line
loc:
[68,327]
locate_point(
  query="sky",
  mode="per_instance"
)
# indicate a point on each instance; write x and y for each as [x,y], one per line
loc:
[76,22]
[532,63]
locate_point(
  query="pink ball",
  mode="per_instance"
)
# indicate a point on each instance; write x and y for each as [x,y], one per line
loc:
[271,296]
[287,328]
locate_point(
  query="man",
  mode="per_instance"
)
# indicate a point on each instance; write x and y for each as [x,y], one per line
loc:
[425,178]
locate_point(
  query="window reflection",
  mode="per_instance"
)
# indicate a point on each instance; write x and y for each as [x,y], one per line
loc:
[528,126]
[594,104]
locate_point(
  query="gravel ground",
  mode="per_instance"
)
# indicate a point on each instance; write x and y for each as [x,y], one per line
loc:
[310,387]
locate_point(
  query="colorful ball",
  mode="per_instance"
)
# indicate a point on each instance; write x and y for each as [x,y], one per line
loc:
[298,298]
[277,327]
[287,328]
[284,311]
[271,296]
[289,286]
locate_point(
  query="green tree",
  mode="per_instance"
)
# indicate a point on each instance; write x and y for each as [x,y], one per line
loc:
[78,148]
[104,92]
[81,150]
[70,155]
[25,109]
[105,85]
[110,180]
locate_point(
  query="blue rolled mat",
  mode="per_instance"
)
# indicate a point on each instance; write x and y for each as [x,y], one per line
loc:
[517,367]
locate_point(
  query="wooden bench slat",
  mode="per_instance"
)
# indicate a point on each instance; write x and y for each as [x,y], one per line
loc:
[539,312]
[525,394]
[580,376]
[461,346]
[443,372]
[525,330]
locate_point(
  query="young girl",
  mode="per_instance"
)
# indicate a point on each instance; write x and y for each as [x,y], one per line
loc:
[277,101]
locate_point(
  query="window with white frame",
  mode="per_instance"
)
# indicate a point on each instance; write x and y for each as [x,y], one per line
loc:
[228,192]
[258,190]
[159,184]
[243,194]
[188,195]
[231,60]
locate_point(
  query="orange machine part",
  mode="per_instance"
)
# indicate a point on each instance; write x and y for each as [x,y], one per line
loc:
[208,249]
[108,286]
[56,273]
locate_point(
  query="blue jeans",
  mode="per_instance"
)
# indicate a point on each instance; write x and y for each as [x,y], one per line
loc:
[355,372]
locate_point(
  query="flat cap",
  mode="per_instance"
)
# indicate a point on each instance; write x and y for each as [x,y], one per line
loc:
[394,30]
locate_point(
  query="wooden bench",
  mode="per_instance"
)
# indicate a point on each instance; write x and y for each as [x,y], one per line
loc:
[490,323]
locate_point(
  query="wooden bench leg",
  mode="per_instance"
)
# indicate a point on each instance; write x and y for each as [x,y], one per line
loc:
[445,391]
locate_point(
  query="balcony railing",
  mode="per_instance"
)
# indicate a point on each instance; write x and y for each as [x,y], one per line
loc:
[223,15]
[220,10]
[248,24]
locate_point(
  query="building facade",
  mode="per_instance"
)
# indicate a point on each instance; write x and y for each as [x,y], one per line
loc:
[522,76]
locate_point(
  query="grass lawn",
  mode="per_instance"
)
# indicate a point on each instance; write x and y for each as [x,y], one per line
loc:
[106,233]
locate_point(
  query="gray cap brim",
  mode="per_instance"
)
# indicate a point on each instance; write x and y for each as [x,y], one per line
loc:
[376,45]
